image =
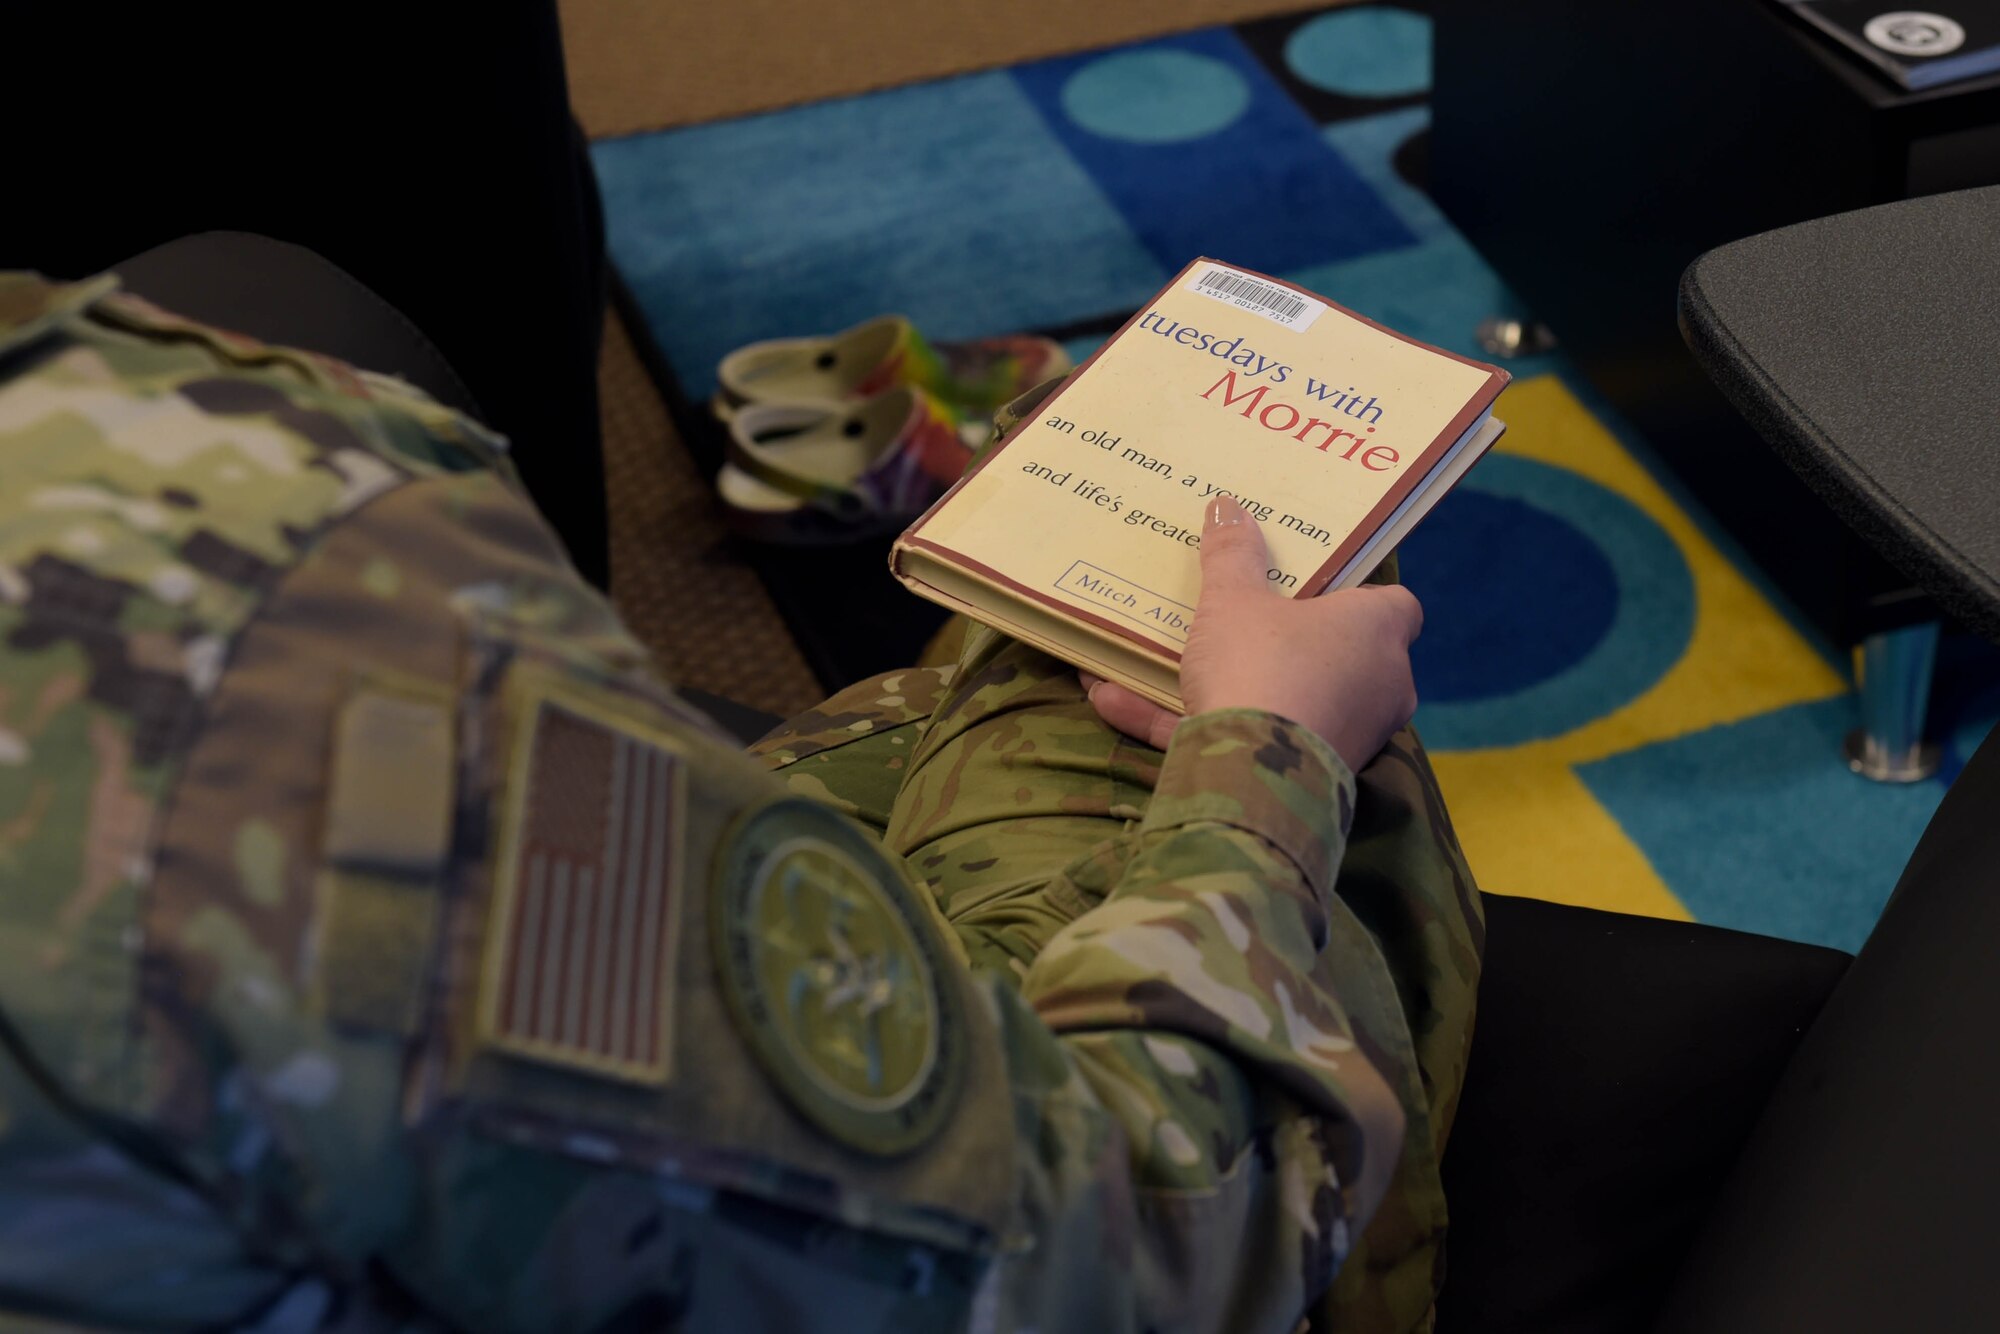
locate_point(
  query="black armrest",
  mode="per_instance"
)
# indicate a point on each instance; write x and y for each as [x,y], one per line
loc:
[1865,1199]
[277,292]
[1618,1065]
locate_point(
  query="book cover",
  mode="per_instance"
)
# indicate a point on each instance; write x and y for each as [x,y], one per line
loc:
[1917,49]
[1081,531]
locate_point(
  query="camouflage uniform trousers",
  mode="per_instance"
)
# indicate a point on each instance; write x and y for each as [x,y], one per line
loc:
[1005,795]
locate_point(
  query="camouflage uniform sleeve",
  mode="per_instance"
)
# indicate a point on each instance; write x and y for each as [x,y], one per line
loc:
[1188,1086]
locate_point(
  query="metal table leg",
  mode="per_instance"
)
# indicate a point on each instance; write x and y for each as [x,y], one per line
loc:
[1895,693]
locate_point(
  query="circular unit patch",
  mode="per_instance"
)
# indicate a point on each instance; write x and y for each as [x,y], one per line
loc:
[836,978]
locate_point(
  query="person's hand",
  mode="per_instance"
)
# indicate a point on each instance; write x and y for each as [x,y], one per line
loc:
[1338,664]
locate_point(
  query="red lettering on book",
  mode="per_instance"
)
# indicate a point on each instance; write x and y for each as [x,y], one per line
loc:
[1229,400]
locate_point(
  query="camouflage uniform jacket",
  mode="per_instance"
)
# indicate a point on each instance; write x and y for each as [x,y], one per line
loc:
[383,945]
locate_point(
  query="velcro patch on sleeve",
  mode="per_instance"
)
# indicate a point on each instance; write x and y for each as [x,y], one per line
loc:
[389,804]
[389,810]
[578,969]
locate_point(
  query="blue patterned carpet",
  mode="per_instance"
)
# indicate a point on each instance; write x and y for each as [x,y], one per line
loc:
[1621,711]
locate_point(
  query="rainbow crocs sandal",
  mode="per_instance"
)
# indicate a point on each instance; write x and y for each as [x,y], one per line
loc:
[801,474]
[971,378]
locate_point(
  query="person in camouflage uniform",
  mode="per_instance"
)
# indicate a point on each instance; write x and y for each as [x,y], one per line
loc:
[383,945]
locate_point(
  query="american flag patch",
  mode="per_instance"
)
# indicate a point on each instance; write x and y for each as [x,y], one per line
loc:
[579,970]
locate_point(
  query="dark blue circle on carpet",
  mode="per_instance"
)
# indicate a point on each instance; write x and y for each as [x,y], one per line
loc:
[1549,603]
[1540,659]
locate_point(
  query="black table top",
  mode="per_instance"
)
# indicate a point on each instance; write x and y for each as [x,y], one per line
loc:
[1866,348]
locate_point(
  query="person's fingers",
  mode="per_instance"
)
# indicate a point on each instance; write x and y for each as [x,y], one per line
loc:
[1134,715]
[1389,611]
[1233,556]
[1405,613]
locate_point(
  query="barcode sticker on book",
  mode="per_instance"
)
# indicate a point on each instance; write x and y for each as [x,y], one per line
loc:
[1281,305]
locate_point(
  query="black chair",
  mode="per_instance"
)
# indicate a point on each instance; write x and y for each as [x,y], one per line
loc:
[427,151]
[1865,348]
[1686,1159]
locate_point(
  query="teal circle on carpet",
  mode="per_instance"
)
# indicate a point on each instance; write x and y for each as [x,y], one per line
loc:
[1155,96]
[1374,51]
[1467,569]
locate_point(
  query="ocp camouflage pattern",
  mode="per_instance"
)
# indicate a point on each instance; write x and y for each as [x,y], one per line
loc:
[995,782]
[1217,1000]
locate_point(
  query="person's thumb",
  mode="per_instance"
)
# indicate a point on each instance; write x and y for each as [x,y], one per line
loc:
[1233,557]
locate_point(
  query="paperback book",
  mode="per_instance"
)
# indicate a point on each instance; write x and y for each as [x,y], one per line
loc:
[1081,531]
